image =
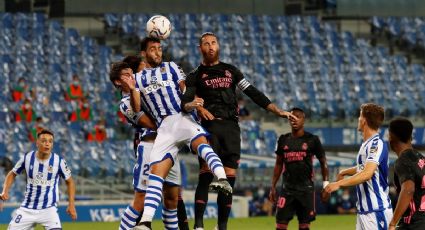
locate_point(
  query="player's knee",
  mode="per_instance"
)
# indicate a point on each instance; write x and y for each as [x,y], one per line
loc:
[198,141]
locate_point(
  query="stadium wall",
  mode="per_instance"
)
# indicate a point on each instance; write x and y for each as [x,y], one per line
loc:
[365,8]
[84,7]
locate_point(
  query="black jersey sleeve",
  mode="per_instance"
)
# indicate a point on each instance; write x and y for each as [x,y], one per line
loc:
[404,170]
[280,143]
[256,95]
[190,92]
[319,152]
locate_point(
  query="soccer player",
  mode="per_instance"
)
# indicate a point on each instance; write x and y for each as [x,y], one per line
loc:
[43,169]
[145,127]
[159,86]
[215,84]
[294,160]
[370,176]
[409,177]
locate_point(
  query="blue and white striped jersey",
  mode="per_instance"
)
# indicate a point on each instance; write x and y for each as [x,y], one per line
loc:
[372,195]
[159,89]
[133,117]
[42,179]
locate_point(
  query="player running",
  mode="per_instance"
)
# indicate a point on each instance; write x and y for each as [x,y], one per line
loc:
[159,87]
[370,176]
[215,83]
[294,160]
[43,169]
[409,177]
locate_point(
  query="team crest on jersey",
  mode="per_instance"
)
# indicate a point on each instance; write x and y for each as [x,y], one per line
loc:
[227,73]
[163,70]
[305,146]
[50,169]
[286,147]
[421,163]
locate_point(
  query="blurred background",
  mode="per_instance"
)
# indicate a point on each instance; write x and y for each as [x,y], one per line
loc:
[326,56]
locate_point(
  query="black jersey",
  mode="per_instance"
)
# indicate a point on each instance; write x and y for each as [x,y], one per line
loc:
[411,166]
[298,154]
[217,86]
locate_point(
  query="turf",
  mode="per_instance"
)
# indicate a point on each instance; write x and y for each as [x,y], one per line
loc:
[324,222]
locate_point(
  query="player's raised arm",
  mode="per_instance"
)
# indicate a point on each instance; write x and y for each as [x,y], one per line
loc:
[71,198]
[121,70]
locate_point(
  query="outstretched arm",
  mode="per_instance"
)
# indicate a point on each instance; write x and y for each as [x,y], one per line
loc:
[71,198]
[356,179]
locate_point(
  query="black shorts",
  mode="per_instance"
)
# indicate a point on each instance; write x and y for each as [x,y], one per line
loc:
[299,203]
[417,223]
[225,140]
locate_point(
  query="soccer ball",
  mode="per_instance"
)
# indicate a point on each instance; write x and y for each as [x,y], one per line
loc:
[159,27]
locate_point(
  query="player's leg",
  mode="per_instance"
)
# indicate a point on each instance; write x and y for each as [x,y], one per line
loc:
[201,194]
[49,218]
[285,210]
[181,212]
[169,210]
[23,219]
[229,142]
[132,213]
[306,211]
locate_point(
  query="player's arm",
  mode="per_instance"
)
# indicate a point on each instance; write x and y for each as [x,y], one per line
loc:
[346,172]
[8,181]
[189,101]
[146,122]
[135,101]
[406,195]
[258,97]
[356,179]
[278,167]
[70,185]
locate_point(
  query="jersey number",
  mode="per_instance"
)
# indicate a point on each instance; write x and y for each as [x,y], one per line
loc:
[18,218]
[145,169]
[281,202]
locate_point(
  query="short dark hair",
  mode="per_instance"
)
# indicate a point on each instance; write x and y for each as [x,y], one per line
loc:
[133,61]
[402,128]
[116,69]
[374,115]
[297,109]
[146,40]
[45,131]
[206,34]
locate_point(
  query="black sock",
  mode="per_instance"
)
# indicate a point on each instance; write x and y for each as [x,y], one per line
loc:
[139,218]
[224,203]
[201,197]
[181,214]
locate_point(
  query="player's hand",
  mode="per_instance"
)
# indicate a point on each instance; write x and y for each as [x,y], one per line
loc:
[197,102]
[288,115]
[72,212]
[332,187]
[272,195]
[324,196]
[4,196]
[339,177]
[205,114]
[129,81]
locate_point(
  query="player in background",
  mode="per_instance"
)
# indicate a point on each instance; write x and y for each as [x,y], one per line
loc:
[144,125]
[43,169]
[215,84]
[409,177]
[159,87]
[294,161]
[370,176]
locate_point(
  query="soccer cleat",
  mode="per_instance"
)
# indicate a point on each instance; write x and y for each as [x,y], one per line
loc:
[143,226]
[222,185]
[198,229]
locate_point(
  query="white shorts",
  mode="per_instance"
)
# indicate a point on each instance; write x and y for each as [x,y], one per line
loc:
[27,219]
[374,220]
[175,131]
[141,169]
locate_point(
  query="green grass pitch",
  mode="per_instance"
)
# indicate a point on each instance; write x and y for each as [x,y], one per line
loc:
[323,222]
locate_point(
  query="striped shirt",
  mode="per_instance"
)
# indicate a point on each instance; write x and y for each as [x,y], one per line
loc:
[42,179]
[133,117]
[159,89]
[372,195]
